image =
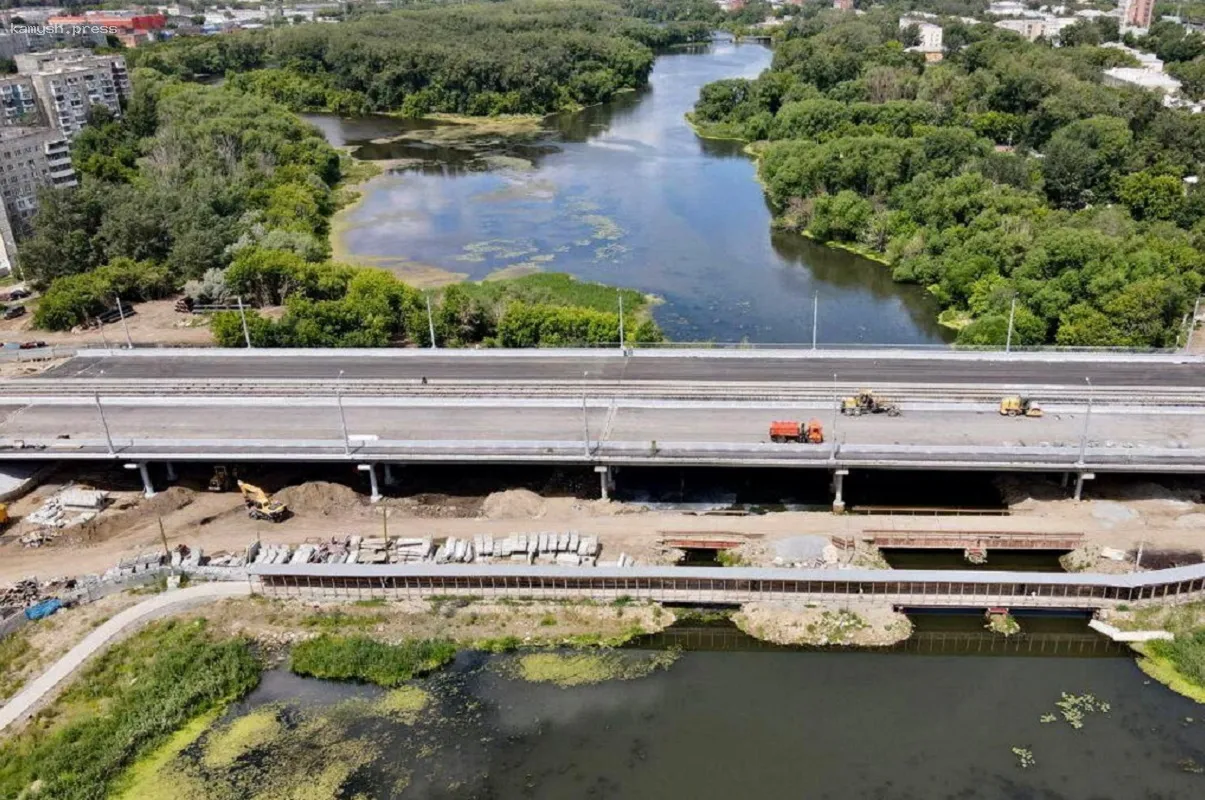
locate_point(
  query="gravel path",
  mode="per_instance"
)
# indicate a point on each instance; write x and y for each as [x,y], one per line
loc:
[46,686]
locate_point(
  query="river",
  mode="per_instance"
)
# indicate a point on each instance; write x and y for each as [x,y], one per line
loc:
[739,718]
[625,193]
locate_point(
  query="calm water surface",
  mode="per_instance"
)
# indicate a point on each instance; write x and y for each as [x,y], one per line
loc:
[625,193]
[790,724]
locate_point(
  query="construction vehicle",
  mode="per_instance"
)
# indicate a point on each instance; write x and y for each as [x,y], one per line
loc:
[260,506]
[223,479]
[810,432]
[1017,406]
[864,402]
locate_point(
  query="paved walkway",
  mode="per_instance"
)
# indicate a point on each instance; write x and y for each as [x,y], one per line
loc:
[42,690]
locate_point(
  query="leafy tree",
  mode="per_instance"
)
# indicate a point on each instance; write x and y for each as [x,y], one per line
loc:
[1151,196]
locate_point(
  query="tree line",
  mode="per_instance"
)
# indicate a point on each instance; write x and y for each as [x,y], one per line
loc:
[1010,170]
[521,57]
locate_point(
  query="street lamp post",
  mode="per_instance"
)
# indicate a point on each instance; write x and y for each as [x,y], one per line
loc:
[431,323]
[621,342]
[104,423]
[243,315]
[122,312]
[585,417]
[836,414]
[1083,439]
[1012,313]
[342,417]
[815,317]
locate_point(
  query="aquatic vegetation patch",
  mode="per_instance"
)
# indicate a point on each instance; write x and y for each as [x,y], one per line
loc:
[359,658]
[1186,653]
[126,704]
[1024,756]
[244,734]
[583,669]
[404,703]
[1076,707]
[1003,624]
[604,228]
[1162,669]
[498,249]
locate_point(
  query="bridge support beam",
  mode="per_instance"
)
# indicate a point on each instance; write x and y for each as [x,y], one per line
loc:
[171,471]
[838,490]
[148,488]
[606,479]
[371,469]
[1079,483]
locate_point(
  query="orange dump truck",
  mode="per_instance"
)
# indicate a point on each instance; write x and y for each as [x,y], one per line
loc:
[809,431]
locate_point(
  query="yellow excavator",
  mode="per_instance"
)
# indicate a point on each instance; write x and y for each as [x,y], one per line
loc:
[260,506]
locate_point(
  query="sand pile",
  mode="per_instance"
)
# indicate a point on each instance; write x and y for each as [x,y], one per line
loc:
[125,515]
[513,504]
[319,497]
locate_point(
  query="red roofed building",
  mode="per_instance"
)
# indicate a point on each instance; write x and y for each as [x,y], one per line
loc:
[123,23]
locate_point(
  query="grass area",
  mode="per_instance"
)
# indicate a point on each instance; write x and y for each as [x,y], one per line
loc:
[1163,669]
[130,700]
[557,289]
[15,652]
[358,658]
[1186,654]
[338,620]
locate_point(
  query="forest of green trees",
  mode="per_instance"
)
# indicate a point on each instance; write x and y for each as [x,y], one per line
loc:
[219,191]
[1009,170]
[520,57]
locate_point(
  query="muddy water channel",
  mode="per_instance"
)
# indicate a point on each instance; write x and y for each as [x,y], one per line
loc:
[742,719]
[623,193]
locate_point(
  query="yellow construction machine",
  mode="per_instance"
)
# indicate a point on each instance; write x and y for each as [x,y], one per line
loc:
[1018,406]
[260,506]
[864,402]
[223,479]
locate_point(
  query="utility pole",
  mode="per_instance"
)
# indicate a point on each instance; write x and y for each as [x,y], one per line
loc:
[342,417]
[621,339]
[163,535]
[1083,439]
[122,312]
[431,323]
[104,423]
[815,317]
[1012,313]
[243,313]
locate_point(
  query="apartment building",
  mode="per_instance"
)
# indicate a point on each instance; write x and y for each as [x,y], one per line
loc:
[69,82]
[30,158]
[19,102]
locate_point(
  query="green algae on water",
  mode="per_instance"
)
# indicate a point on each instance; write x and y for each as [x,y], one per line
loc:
[583,669]
[244,734]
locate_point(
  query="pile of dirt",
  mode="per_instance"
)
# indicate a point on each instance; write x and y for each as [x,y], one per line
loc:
[429,505]
[867,626]
[319,497]
[127,514]
[513,504]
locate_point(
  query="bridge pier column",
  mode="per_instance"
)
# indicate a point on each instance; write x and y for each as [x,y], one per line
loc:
[171,471]
[390,478]
[1066,478]
[371,469]
[148,488]
[606,479]
[1079,483]
[838,493]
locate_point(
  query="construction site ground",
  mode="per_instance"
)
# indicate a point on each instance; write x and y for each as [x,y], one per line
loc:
[1119,514]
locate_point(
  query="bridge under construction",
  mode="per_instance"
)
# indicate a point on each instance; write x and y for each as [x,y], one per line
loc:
[381,410]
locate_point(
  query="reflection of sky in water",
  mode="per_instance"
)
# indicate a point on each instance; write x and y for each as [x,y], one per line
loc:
[630,196]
